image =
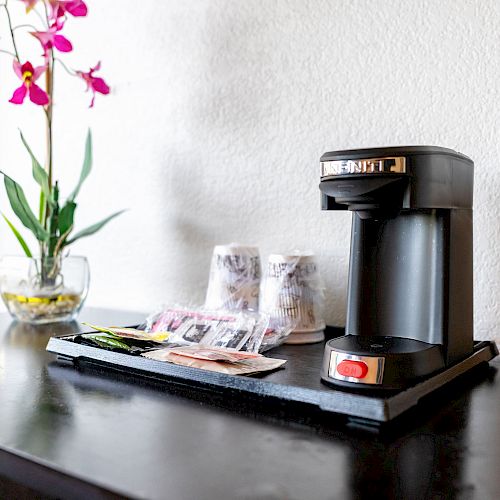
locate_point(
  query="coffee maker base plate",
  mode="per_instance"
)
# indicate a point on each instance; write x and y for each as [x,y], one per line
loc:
[368,362]
[306,337]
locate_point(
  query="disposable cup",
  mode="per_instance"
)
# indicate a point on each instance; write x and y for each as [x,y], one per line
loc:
[234,280]
[293,292]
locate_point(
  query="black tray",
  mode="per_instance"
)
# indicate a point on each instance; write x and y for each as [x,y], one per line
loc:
[299,382]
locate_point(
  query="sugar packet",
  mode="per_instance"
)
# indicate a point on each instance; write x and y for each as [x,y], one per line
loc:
[213,353]
[247,366]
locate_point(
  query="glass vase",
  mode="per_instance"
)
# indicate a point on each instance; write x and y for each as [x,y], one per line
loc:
[46,290]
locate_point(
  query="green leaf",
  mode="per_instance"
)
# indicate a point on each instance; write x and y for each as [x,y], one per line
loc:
[53,222]
[101,329]
[105,341]
[66,217]
[22,209]
[41,209]
[94,228]
[26,249]
[39,173]
[86,167]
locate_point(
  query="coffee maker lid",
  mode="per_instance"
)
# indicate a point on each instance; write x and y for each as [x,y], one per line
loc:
[403,177]
[351,154]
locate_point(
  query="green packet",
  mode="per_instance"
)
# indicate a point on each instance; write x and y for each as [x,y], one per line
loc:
[131,333]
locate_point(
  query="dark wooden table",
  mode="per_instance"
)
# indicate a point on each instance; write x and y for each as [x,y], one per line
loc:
[68,434]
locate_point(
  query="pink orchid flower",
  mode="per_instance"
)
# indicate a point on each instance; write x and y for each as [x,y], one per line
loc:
[94,83]
[29,4]
[76,8]
[50,39]
[29,76]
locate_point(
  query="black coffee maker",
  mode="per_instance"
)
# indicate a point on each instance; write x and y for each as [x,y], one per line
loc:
[409,298]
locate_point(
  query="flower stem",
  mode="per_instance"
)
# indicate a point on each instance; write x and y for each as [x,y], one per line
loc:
[19,26]
[42,18]
[45,209]
[8,52]
[11,29]
[46,212]
[49,83]
[69,71]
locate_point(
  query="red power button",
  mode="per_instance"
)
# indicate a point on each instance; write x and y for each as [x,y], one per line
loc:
[350,368]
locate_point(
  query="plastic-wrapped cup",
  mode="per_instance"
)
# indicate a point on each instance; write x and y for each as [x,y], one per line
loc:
[293,292]
[234,281]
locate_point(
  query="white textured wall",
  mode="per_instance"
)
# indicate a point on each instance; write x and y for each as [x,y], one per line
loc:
[221,110]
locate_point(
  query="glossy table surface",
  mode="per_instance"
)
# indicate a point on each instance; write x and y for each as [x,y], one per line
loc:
[71,434]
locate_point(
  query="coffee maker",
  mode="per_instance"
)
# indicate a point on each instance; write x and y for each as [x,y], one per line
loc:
[409,297]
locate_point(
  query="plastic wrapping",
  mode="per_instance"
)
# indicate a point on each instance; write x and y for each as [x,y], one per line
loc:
[199,326]
[234,278]
[277,332]
[293,292]
[239,330]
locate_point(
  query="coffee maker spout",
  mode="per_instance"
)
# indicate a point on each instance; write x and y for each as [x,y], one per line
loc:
[379,197]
